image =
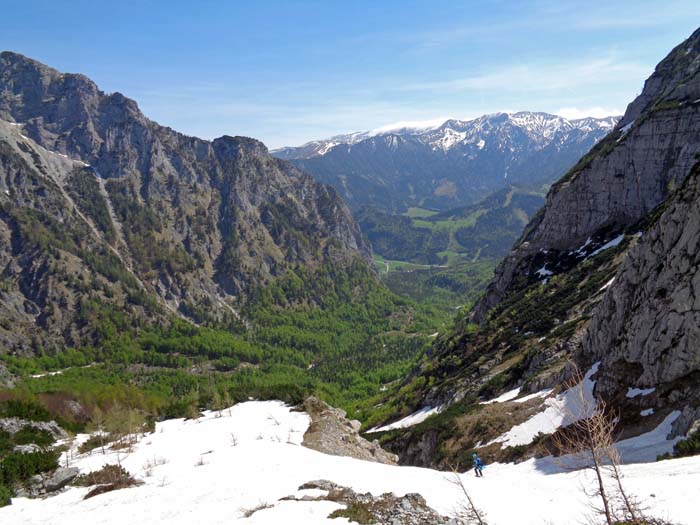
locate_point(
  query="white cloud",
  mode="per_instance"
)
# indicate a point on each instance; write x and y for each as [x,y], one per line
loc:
[595,112]
[411,124]
[540,77]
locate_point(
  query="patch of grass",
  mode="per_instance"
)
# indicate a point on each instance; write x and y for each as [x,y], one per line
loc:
[415,212]
[355,512]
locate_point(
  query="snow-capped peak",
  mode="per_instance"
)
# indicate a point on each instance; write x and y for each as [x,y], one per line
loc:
[444,134]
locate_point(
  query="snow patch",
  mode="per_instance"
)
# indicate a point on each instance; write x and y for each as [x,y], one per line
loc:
[648,446]
[561,410]
[646,412]
[610,244]
[541,393]
[634,392]
[627,127]
[417,417]
[544,272]
[267,464]
[512,394]
[607,285]
[581,249]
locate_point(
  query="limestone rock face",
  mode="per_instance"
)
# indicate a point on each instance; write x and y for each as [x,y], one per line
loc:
[646,330]
[92,189]
[332,433]
[625,176]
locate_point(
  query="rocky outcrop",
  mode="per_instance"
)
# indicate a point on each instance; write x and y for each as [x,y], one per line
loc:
[624,177]
[331,432]
[388,509]
[13,425]
[91,191]
[45,484]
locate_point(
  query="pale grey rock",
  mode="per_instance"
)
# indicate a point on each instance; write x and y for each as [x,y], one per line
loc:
[646,331]
[47,484]
[15,424]
[331,432]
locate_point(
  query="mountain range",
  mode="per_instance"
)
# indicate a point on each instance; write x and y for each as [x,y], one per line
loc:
[453,164]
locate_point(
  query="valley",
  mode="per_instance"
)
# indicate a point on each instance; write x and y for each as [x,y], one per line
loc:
[356,329]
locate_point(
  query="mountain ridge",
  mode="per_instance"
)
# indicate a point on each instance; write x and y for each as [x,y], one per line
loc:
[196,223]
[454,164]
[530,120]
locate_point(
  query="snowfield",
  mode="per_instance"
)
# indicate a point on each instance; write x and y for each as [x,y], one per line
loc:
[209,470]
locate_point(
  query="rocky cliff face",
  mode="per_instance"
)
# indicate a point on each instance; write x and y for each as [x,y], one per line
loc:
[192,224]
[625,176]
[646,330]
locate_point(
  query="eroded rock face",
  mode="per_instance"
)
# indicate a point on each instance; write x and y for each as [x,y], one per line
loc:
[331,432]
[629,173]
[138,210]
[646,330]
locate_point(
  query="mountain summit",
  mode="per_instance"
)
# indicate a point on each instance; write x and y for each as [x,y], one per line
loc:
[457,162]
[102,208]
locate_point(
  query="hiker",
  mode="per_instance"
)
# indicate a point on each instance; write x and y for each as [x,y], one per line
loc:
[478,466]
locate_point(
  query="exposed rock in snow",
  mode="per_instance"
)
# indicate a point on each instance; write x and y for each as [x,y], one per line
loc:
[43,484]
[330,432]
[387,508]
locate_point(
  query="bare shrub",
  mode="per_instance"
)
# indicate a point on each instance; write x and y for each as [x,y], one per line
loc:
[248,512]
[107,479]
[588,442]
[153,463]
[467,512]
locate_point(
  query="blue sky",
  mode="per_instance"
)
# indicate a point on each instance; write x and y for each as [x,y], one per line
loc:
[290,71]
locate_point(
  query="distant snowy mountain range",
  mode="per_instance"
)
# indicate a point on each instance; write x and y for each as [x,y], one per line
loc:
[451,163]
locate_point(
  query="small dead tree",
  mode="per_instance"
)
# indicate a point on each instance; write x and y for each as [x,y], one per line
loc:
[588,441]
[467,512]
